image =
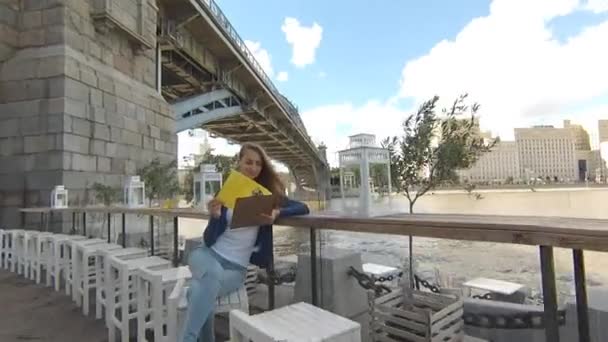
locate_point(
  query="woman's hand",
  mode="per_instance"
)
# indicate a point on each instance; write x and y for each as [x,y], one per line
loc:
[215,208]
[272,217]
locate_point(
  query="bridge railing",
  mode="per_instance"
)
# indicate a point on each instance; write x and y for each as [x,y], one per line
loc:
[545,232]
[238,42]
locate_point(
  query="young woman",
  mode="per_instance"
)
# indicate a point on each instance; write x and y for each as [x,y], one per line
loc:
[219,266]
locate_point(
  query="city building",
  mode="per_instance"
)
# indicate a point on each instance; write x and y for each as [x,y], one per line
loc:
[500,165]
[548,153]
[581,137]
[602,126]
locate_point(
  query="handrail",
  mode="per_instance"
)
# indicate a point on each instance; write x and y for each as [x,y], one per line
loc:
[576,233]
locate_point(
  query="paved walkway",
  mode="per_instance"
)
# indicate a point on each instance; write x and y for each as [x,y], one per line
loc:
[30,312]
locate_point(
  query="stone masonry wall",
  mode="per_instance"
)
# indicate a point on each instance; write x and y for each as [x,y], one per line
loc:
[77,105]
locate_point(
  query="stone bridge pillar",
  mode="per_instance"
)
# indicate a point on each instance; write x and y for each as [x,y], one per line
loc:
[78,99]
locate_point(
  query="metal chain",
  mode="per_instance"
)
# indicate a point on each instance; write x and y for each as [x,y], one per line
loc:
[368,282]
[524,320]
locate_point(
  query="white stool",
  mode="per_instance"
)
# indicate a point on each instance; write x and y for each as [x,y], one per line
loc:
[121,290]
[84,270]
[177,305]
[68,252]
[59,261]
[38,254]
[153,291]
[100,272]
[297,322]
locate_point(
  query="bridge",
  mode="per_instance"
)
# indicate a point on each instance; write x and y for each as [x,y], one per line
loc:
[213,81]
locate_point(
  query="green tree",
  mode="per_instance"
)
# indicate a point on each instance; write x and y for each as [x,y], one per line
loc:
[160,179]
[433,148]
[105,194]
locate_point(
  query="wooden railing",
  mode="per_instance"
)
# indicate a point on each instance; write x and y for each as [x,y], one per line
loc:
[545,232]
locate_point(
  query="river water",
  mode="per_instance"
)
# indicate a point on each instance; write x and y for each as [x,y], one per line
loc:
[463,260]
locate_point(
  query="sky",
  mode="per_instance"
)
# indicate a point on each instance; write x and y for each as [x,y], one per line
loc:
[352,67]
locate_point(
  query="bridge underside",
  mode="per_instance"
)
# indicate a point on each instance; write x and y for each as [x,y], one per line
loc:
[211,86]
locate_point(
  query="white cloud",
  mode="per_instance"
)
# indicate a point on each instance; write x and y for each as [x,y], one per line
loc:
[304,40]
[511,63]
[261,55]
[597,6]
[282,76]
[333,124]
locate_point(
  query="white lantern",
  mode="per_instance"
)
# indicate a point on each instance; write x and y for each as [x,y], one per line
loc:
[59,197]
[205,185]
[134,192]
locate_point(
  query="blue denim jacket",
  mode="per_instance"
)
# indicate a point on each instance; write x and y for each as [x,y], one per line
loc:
[262,256]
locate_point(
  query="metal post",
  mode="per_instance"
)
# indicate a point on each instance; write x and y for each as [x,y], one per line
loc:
[581,296]
[270,271]
[74,221]
[84,223]
[175,242]
[124,231]
[151,235]
[41,220]
[313,266]
[109,227]
[547,268]
[49,220]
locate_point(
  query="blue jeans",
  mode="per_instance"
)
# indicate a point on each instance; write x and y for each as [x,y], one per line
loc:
[212,276]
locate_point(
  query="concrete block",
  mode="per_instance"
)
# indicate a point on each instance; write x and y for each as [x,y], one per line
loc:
[51,66]
[101,131]
[72,67]
[40,143]
[96,97]
[130,167]
[154,132]
[31,19]
[18,69]
[43,180]
[109,102]
[130,124]
[33,125]
[54,35]
[148,143]
[341,294]
[98,147]
[103,164]
[81,127]
[9,35]
[94,49]
[8,15]
[73,39]
[87,76]
[53,160]
[20,109]
[111,149]
[106,84]
[67,123]
[11,164]
[12,182]
[81,162]
[75,143]
[117,165]
[31,38]
[33,5]
[65,86]
[97,114]
[11,146]
[115,133]
[54,16]
[75,108]
[132,138]
[54,123]
[9,128]
[159,145]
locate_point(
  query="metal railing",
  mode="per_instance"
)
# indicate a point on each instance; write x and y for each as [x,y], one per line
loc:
[225,25]
[546,233]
